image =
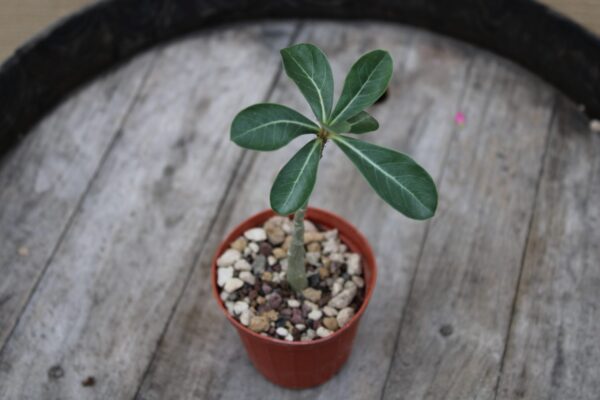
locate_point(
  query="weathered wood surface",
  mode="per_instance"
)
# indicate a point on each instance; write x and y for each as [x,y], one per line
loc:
[494,298]
[45,179]
[554,346]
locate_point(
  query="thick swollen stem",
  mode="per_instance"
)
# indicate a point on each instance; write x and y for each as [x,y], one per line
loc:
[296,273]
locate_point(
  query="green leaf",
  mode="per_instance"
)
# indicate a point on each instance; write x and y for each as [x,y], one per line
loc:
[268,126]
[397,178]
[296,180]
[366,82]
[360,123]
[306,65]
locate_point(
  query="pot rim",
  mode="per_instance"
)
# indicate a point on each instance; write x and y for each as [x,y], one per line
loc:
[280,342]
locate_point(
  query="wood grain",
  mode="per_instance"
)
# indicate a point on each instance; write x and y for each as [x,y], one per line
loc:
[553,348]
[116,276]
[44,180]
[452,336]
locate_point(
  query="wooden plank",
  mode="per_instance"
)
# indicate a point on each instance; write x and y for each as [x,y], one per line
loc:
[553,348]
[43,180]
[117,275]
[453,333]
[201,355]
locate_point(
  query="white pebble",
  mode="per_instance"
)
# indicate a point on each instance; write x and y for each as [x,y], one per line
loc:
[229,305]
[242,265]
[281,331]
[293,303]
[343,299]
[313,258]
[256,234]
[253,247]
[344,316]
[223,275]
[337,287]
[224,295]
[271,260]
[331,234]
[595,125]
[309,226]
[300,327]
[228,258]
[330,311]
[353,266]
[311,305]
[287,226]
[284,264]
[289,338]
[358,281]
[315,314]
[233,284]
[330,246]
[350,285]
[323,332]
[248,277]
[336,257]
[245,317]
[239,307]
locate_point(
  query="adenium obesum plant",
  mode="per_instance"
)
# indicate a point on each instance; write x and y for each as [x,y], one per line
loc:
[399,180]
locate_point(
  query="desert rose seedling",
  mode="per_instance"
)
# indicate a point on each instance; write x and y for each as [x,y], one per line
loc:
[394,176]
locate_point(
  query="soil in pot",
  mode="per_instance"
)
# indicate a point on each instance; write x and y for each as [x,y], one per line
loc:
[251,280]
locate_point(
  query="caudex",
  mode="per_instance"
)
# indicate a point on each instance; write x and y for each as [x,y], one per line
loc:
[394,176]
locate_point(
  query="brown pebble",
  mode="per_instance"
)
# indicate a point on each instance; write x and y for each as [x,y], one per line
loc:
[313,247]
[275,234]
[261,300]
[279,253]
[310,237]
[287,243]
[330,323]
[311,294]
[266,276]
[239,244]
[272,315]
[323,273]
[259,323]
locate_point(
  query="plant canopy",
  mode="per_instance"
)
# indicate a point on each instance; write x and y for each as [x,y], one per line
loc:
[394,176]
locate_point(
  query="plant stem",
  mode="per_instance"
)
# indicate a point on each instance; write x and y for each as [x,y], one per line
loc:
[296,273]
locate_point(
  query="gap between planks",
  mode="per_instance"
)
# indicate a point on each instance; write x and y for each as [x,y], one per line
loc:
[527,239]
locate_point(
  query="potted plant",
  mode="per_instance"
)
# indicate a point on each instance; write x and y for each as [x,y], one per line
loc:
[295,288]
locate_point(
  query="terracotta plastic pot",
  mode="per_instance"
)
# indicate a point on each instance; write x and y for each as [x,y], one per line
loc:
[302,364]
